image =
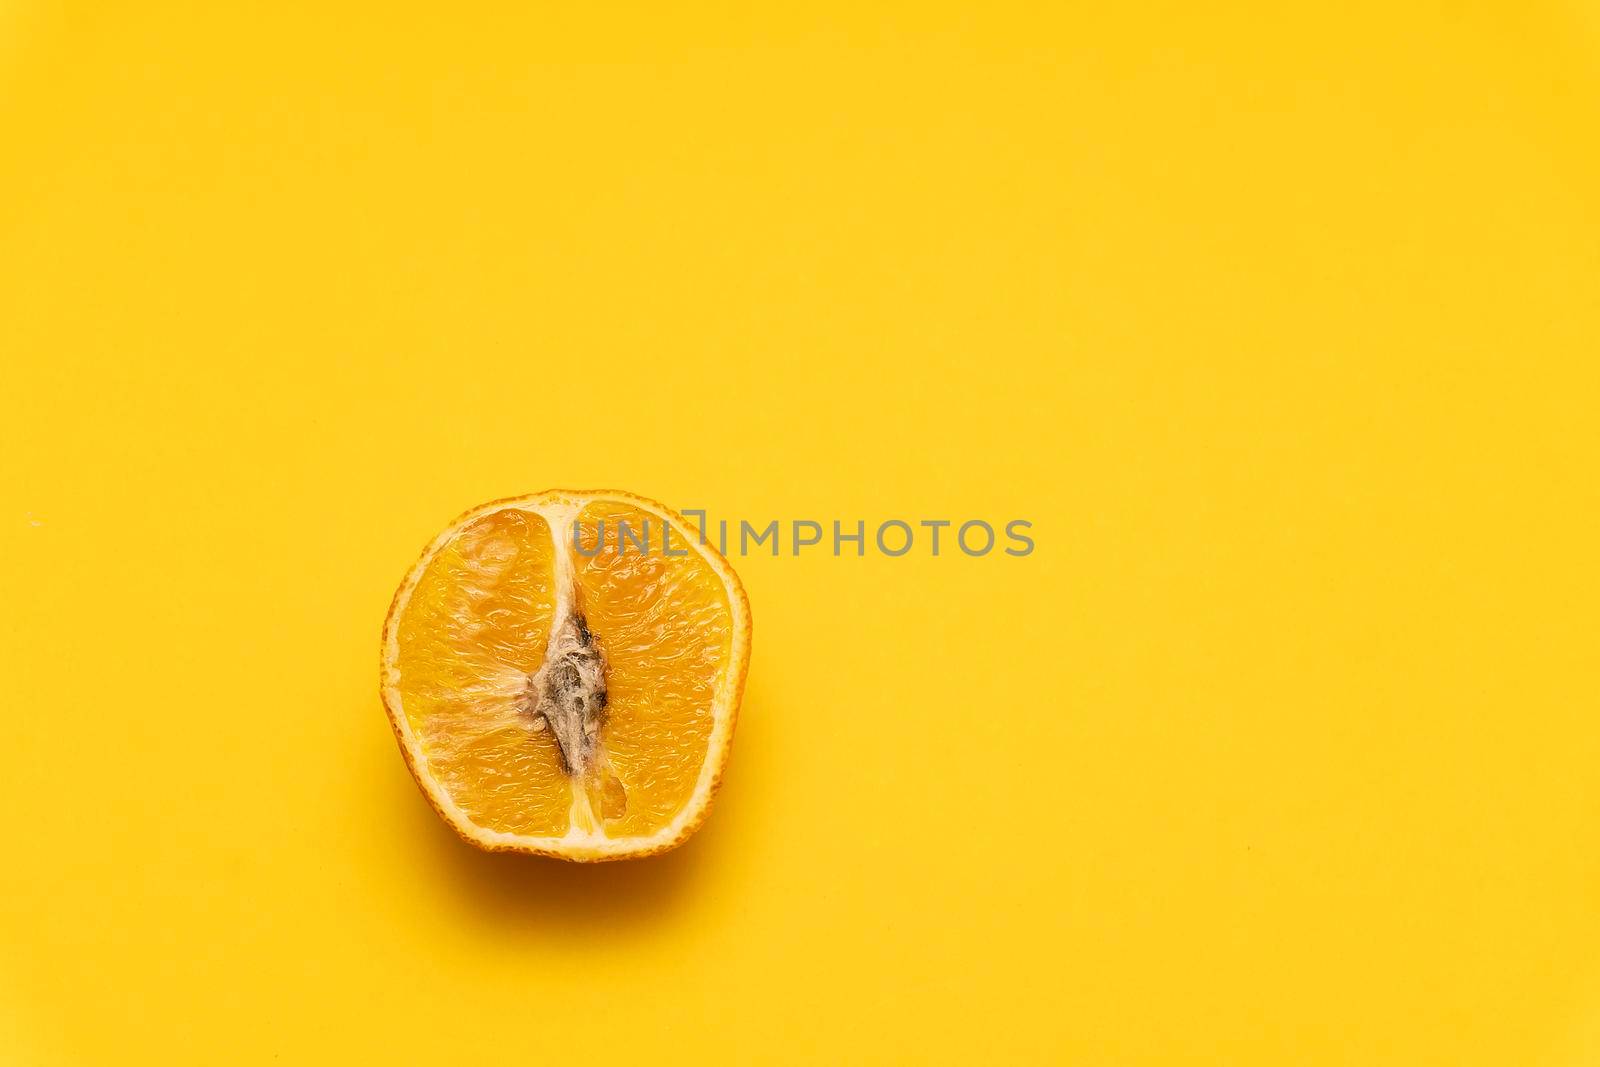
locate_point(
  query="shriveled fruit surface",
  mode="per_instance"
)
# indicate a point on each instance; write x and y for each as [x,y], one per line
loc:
[563,672]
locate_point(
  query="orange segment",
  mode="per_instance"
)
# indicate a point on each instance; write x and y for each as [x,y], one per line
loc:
[664,625]
[475,628]
[563,693]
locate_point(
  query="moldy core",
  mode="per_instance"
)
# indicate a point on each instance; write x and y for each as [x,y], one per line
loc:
[569,693]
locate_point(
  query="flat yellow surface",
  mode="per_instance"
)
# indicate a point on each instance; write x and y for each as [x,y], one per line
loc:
[1281,328]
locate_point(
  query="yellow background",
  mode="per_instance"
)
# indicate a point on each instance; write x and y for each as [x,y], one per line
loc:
[1281,328]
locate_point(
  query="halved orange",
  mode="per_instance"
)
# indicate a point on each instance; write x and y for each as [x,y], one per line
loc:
[563,672]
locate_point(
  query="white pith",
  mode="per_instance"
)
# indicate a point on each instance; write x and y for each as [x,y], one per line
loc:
[583,839]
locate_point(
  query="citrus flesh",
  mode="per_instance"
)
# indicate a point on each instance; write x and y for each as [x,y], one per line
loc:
[563,672]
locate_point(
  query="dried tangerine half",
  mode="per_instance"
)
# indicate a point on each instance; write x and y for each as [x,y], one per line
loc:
[563,672]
